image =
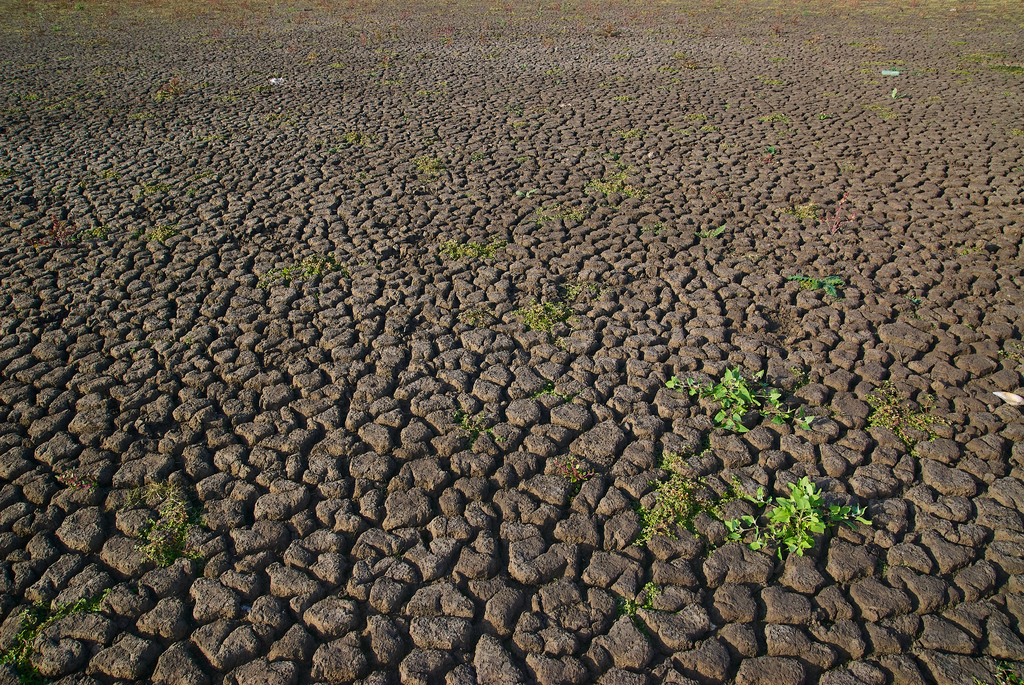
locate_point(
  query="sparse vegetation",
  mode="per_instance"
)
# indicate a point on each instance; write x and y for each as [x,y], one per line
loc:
[453,249]
[902,417]
[428,165]
[564,212]
[543,316]
[616,183]
[737,397]
[165,539]
[573,470]
[830,284]
[790,525]
[35,618]
[311,266]
[480,316]
[677,502]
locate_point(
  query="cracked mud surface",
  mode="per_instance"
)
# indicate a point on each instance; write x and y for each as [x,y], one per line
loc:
[350,467]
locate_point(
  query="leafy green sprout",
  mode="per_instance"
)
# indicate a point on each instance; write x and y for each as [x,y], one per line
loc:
[165,539]
[480,316]
[645,600]
[311,266]
[829,284]
[549,389]
[677,502]
[428,165]
[774,118]
[1005,675]
[792,522]
[805,211]
[473,426]
[576,215]
[35,619]
[573,470]
[543,316]
[453,249]
[736,397]
[160,234]
[888,410]
[711,232]
[616,183]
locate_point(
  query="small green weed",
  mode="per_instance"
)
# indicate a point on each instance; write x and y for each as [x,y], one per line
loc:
[1005,675]
[884,112]
[631,134]
[890,411]
[161,234]
[34,620]
[453,249]
[711,232]
[549,389]
[830,284]
[166,538]
[806,211]
[615,183]
[678,501]
[645,600]
[622,98]
[428,165]
[771,81]
[481,316]
[737,397]
[357,138]
[791,524]
[1014,351]
[774,118]
[472,425]
[313,265]
[573,470]
[170,89]
[74,481]
[654,229]
[6,173]
[543,316]
[564,212]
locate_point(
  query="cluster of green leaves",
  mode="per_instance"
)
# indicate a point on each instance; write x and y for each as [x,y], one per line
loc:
[805,211]
[737,397]
[645,600]
[677,501]
[549,389]
[453,249]
[428,165]
[829,284]
[576,214]
[574,471]
[616,183]
[543,316]
[35,618]
[161,234]
[711,232]
[890,411]
[790,525]
[479,316]
[313,265]
[473,426]
[1005,674]
[165,539]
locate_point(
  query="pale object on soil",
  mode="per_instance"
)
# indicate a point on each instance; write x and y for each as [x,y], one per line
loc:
[1010,398]
[276,81]
[888,72]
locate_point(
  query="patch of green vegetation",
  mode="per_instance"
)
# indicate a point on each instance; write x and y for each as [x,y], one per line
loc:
[161,234]
[622,98]
[807,211]
[148,188]
[428,165]
[630,134]
[791,524]
[549,389]
[573,470]
[830,284]
[616,183]
[473,426]
[35,619]
[1014,69]
[644,600]
[736,396]
[881,111]
[771,81]
[677,502]
[543,316]
[773,118]
[453,249]
[313,265]
[166,538]
[901,416]
[653,229]
[711,232]
[480,316]
[6,173]
[1005,674]
[575,214]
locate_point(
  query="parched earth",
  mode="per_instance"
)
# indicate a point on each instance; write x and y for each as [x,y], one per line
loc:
[304,312]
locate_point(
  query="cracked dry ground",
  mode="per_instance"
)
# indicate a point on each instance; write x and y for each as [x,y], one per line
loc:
[365,460]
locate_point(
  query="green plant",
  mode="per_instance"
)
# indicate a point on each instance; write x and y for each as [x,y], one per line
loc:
[890,411]
[677,502]
[170,89]
[1005,674]
[630,134]
[572,470]
[473,425]
[527,193]
[736,397]
[160,234]
[480,316]
[428,165]
[806,211]
[313,265]
[35,618]
[653,229]
[774,118]
[543,316]
[563,212]
[453,249]
[1014,351]
[616,183]
[792,522]
[166,538]
[644,600]
[711,232]
[622,98]
[74,481]
[6,173]
[830,284]
[881,111]
[549,389]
